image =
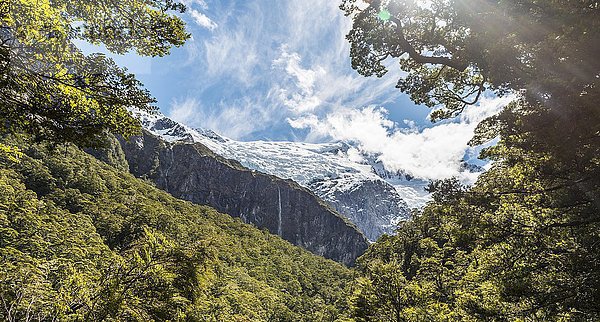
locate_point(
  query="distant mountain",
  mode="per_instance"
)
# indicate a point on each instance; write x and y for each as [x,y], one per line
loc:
[192,172]
[354,183]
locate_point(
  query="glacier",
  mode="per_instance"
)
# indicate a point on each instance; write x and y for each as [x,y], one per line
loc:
[356,184]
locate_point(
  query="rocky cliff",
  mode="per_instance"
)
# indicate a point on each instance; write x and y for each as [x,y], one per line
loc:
[373,205]
[192,172]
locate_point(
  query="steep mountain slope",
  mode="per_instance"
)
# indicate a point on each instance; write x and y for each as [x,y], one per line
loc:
[358,186]
[81,240]
[192,172]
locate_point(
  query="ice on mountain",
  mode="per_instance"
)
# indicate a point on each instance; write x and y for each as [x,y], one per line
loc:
[351,181]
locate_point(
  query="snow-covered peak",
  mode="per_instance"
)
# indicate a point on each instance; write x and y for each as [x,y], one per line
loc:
[305,163]
[355,183]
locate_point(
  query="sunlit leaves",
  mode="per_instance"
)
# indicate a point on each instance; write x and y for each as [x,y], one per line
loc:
[80,240]
[493,46]
[53,91]
[522,242]
[519,244]
[10,152]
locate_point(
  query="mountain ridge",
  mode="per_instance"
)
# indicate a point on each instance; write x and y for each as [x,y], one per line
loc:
[326,169]
[192,172]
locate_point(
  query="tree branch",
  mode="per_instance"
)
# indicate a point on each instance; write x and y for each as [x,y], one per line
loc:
[410,49]
[421,59]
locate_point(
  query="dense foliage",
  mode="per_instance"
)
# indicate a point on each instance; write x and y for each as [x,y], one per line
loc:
[522,243]
[50,89]
[454,50]
[80,240]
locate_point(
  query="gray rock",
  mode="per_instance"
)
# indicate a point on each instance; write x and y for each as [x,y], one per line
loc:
[191,171]
[373,205]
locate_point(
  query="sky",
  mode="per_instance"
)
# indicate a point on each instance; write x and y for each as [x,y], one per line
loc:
[281,70]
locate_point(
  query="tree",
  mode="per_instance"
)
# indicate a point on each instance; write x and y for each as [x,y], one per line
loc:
[83,241]
[454,50]
[50,89]
[522,242]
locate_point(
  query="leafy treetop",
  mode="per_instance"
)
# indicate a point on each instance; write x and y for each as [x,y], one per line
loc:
[522,243]
[455,50]
[50,89]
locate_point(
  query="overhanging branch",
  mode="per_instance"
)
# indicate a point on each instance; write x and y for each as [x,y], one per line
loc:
[417,57]
[408,48]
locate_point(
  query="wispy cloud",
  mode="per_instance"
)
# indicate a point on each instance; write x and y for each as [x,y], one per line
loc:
[271,69]
[192,3]
[233,119]
[281,70]
[202,20]
[302,98]
[289,57]
[230,56]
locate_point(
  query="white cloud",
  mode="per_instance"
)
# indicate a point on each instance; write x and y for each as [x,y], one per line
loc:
[276,66]
[305,77]
[201,3]
[303,99]
[285,65]
[198,16]
[233,120]
[321,88]
[185,111]
[433,153]
[202,20]
[290,55]
[236,49]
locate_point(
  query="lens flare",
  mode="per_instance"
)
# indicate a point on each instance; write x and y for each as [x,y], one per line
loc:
[384,15]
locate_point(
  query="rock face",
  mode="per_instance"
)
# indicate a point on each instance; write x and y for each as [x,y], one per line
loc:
[192,172]
[355,184]
[373,205]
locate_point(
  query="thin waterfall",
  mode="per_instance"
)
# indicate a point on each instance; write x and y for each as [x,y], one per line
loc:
[279,211]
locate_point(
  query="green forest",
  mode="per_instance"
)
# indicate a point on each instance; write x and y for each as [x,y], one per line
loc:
[83,240]
[522,243]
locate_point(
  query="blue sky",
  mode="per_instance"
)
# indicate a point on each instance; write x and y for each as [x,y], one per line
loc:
[280,70]
[252,65]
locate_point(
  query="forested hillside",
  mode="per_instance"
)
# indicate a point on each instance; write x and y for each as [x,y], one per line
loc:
[192,172]
[80,240]
[522,243]
[83,241]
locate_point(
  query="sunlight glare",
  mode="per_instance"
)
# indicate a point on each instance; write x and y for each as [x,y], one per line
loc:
[384,15]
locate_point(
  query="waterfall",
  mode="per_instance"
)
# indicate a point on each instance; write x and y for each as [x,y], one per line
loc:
[279,211]
[168,169]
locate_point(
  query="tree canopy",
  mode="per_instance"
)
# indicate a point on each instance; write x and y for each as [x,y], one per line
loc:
[50,89]
[454,50]
[83,241]
[521,244]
